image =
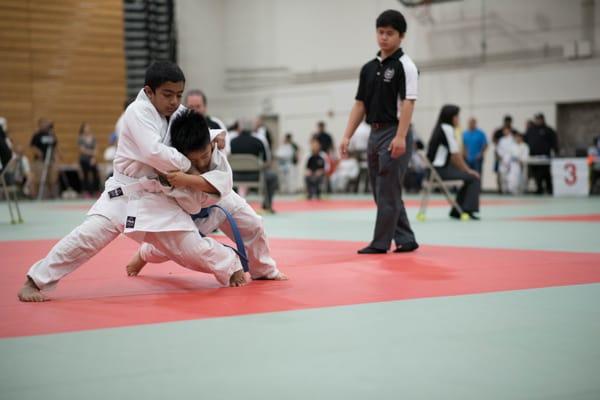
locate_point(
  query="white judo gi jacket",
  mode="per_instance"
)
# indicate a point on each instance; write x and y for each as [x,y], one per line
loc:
[142,150]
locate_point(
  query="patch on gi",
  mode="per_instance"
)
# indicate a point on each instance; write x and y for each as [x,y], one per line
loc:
[389,74]
[130,222]
[115,193]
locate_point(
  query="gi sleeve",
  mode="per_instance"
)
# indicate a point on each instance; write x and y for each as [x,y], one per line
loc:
[144,132]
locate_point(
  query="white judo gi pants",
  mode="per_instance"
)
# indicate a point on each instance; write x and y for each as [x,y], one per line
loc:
[250,225]
[186,248]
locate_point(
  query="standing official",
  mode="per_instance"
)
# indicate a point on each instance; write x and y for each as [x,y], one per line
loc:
[387,92]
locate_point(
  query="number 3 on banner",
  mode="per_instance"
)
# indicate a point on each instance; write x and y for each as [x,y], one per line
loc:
[571,177]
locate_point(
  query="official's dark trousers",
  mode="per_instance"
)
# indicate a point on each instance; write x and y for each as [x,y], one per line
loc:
[386,176]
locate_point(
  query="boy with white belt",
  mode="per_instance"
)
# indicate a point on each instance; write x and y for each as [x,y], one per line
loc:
[145,213]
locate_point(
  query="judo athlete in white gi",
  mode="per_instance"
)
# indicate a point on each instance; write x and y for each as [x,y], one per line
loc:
[189,134]
[135,205]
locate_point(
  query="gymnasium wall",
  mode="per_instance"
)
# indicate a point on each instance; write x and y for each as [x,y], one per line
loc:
[64,60]
[300,60]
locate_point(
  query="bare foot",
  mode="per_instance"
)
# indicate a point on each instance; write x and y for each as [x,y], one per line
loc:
[238,279]
[135,265]
[279,277]
[30,293]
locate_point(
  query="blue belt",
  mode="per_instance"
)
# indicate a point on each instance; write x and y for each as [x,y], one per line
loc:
[241,250]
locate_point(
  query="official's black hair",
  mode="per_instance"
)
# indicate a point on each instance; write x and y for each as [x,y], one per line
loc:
[392,18]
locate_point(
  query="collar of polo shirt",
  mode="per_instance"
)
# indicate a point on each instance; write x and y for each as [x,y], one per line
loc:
[397,54]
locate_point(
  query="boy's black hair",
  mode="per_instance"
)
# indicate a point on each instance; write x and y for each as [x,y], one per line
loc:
[189,132]
[393,19]
[160,72]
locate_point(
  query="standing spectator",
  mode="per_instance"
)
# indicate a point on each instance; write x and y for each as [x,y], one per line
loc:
[87,159]
[444,154]
[44,146]
[498,133]
[196,100]
[325,139]
[474,146]
[542,142]
[246,143]
[315,170]
[517,181]
[504,150]
[287,157]
[262,132]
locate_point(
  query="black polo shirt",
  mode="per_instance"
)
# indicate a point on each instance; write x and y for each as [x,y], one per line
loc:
[43,140]
[384,84]
[315,163]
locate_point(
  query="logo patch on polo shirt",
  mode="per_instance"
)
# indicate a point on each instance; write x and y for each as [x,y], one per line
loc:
[389,74]
[130,222]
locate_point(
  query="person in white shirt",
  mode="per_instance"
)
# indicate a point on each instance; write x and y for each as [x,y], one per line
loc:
[287,158]
[513,153]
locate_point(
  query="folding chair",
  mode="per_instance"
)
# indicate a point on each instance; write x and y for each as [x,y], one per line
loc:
[248,163]
[435,181]
[7,190]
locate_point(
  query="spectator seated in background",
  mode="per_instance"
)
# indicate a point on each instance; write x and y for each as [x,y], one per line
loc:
[246,143]
[44,145]
[315,170]
[87,160]
[347,170]
[413,181]
[19,172]
[328,151]
[287,159]
[444,153]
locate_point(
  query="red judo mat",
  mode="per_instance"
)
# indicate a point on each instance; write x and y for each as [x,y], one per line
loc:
[322,274]
[563,218]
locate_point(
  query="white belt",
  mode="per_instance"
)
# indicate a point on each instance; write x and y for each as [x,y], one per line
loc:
[130,186]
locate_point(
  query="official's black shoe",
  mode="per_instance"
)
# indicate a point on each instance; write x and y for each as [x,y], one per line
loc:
[407,247]
[454,213]
[371,250]
[474,216]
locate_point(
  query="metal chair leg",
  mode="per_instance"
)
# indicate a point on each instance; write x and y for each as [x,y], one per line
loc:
[8,199]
